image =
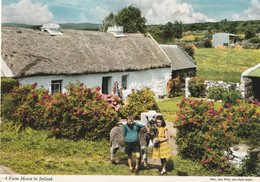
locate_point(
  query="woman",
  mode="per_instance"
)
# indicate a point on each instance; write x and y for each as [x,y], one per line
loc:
[162,148]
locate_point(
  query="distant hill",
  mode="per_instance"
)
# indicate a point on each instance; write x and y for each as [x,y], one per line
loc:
[77,26]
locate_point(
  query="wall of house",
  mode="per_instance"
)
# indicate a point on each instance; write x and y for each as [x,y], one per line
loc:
[155,79]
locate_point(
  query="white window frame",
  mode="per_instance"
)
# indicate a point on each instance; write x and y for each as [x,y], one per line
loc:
[55,83]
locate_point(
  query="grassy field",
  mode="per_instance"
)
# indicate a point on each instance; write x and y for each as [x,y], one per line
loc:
[226,65]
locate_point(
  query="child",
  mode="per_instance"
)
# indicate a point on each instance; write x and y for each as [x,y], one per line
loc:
[130,134]
[162,149]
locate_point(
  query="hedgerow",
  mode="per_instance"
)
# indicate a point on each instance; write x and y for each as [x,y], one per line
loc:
[206,134]
[80,113]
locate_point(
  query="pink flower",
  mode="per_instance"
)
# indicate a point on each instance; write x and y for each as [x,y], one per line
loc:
[79,111]
[207,145]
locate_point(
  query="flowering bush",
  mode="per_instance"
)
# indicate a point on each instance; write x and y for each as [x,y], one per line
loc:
[80,113]
[139,101]
[204,133]
[30,106]
[197,87]
[115,101]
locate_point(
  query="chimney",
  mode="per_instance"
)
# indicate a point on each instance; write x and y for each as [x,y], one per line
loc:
[117,31]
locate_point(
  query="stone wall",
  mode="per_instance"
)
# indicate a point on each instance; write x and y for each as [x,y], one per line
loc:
[211,83]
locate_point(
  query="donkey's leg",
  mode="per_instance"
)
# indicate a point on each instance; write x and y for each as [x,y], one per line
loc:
[144,155]
[113,150]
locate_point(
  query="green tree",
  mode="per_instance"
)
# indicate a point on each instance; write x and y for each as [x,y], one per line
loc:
[177,29]
[109,21]
[168,30]
[131,19]
[249,34]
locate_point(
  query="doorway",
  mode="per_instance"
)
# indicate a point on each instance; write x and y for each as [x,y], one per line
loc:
[106,85]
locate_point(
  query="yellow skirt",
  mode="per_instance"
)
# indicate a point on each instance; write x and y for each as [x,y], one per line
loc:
[162,151]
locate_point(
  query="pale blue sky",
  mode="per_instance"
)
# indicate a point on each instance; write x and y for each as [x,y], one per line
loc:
[155,11]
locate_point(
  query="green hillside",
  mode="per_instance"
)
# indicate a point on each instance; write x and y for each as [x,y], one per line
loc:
[226,65]
[77,26]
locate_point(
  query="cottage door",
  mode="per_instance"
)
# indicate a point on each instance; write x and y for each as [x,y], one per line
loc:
[106,85]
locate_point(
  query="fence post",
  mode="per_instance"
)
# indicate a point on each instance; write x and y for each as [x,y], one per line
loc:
[187,92]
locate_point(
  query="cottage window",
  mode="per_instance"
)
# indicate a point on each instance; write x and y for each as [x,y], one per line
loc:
[124,82]
[56,86]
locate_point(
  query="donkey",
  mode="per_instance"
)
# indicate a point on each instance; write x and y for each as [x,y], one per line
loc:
[117,140]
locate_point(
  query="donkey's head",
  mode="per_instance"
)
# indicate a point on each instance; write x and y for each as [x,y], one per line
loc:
[151,124]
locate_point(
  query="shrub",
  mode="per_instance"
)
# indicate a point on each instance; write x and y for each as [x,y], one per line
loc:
[254,40]
[216,93]
[31,105]
[7,85]
[188,48]
[207,44]
[82,113]
[197,86]
[201,131]
[230,97]
[139,101]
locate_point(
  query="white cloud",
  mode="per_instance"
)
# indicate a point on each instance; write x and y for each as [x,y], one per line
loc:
[26,12]
[163,11]
[252,13]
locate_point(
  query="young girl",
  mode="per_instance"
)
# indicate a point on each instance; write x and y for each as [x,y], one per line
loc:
[162,150]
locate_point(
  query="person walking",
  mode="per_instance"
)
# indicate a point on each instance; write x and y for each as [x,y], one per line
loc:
[130,134]
[162,148]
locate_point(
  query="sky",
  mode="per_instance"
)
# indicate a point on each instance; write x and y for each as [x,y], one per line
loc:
[37,12]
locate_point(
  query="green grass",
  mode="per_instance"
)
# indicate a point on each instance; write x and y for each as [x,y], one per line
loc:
[225,65]
[169,107]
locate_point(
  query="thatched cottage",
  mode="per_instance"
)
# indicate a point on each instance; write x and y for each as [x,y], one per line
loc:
[135,61]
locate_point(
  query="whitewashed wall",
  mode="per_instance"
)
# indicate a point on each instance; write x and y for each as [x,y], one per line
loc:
[155,79]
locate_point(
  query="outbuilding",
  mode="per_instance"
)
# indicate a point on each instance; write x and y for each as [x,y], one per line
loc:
[181,63]
[223,39]
[250,83]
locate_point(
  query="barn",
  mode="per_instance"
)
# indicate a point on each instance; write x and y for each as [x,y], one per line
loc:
[223,39]
[97,59]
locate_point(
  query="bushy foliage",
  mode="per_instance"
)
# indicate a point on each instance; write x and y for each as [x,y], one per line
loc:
[202,130]
[254,40]
[29,106]
[230,97]
[130,18]
[80,113]
[7,85]
[197,86]
[216,93]
[139,101]
[189,49]
[207,44]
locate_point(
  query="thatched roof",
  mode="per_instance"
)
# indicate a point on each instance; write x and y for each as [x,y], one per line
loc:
[30,52]
[179,58]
